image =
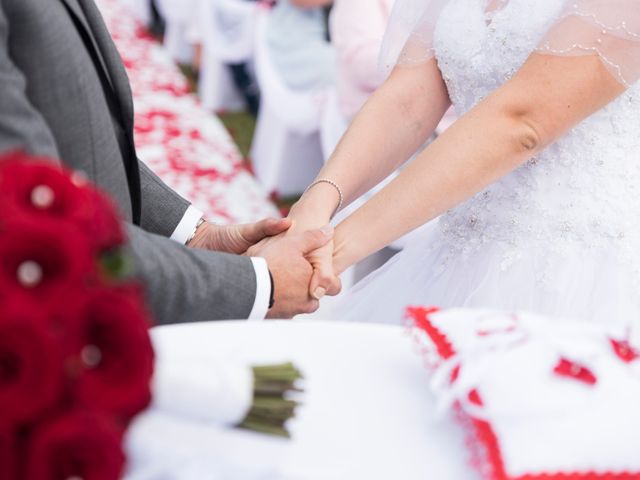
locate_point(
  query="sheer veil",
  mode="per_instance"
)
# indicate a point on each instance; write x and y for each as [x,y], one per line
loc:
[409,35]
[609,29]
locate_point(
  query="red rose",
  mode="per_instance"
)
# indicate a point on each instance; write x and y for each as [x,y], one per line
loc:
[113,344]
[7,455]
[78,445]
[102,224]
[44,260]
[31,187]
[31,377]
[36,187]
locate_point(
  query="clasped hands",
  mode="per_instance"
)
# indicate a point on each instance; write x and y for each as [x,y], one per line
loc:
[300,261]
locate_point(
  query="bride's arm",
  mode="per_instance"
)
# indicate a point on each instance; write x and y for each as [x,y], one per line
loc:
[548,96]
[392,125]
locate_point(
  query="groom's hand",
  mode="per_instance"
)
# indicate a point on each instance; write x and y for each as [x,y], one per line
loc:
[237,238]
[291,271]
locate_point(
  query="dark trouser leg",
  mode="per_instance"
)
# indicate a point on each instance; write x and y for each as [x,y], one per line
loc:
[247,85]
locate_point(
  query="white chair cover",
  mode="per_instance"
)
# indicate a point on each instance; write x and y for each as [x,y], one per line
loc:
[178,15]
[232,33]
[228,35]
[286,148]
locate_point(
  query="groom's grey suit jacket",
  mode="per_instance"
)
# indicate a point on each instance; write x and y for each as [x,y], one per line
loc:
[64,93]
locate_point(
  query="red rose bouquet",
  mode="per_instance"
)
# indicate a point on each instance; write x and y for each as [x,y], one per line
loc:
[7,457]
[76,359]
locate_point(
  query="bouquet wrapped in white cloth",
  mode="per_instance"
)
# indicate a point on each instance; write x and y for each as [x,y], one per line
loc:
[212,390]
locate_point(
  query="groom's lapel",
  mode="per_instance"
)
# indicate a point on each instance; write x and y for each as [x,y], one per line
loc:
[75,10]
[108,64]
[88,18]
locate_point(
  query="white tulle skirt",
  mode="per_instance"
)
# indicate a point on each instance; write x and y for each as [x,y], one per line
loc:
[565,280]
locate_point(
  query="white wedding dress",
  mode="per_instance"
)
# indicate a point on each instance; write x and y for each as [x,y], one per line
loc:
[561,234]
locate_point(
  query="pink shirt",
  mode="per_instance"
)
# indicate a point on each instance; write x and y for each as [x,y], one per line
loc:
[357,29]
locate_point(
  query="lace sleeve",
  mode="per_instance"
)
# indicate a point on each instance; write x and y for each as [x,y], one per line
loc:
[607,28]
[409,36]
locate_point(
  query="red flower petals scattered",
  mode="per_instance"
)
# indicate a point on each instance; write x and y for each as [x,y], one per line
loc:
[624,350]
[569,369]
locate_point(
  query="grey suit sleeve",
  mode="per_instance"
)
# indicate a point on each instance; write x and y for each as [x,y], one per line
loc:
[21,125]
[162,207]
[189,285]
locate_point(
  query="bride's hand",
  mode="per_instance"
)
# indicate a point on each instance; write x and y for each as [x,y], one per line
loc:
[311,212]
[324,280]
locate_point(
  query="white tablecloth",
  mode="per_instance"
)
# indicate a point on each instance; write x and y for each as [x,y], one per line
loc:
[367,410]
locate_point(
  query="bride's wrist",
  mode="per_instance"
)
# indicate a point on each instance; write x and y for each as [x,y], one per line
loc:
[320,202]
[341,255]
[308,216]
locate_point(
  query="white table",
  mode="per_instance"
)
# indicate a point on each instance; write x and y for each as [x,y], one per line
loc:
[367,410]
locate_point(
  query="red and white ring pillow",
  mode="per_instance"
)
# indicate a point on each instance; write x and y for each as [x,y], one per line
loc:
[542,399]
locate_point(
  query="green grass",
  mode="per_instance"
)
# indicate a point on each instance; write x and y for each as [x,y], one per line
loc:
[241,126]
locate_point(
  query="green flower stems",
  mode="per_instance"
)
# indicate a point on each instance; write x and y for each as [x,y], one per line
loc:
[270,409]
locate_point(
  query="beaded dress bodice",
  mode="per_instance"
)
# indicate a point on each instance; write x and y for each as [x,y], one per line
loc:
[584,190]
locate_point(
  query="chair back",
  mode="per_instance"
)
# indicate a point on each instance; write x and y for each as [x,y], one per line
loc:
[300,111]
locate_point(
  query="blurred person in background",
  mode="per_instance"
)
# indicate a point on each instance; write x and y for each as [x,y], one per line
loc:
[230,24]
[298,40]
[357,28]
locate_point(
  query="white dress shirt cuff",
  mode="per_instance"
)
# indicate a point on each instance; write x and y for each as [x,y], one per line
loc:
[263,290]
[187,224]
